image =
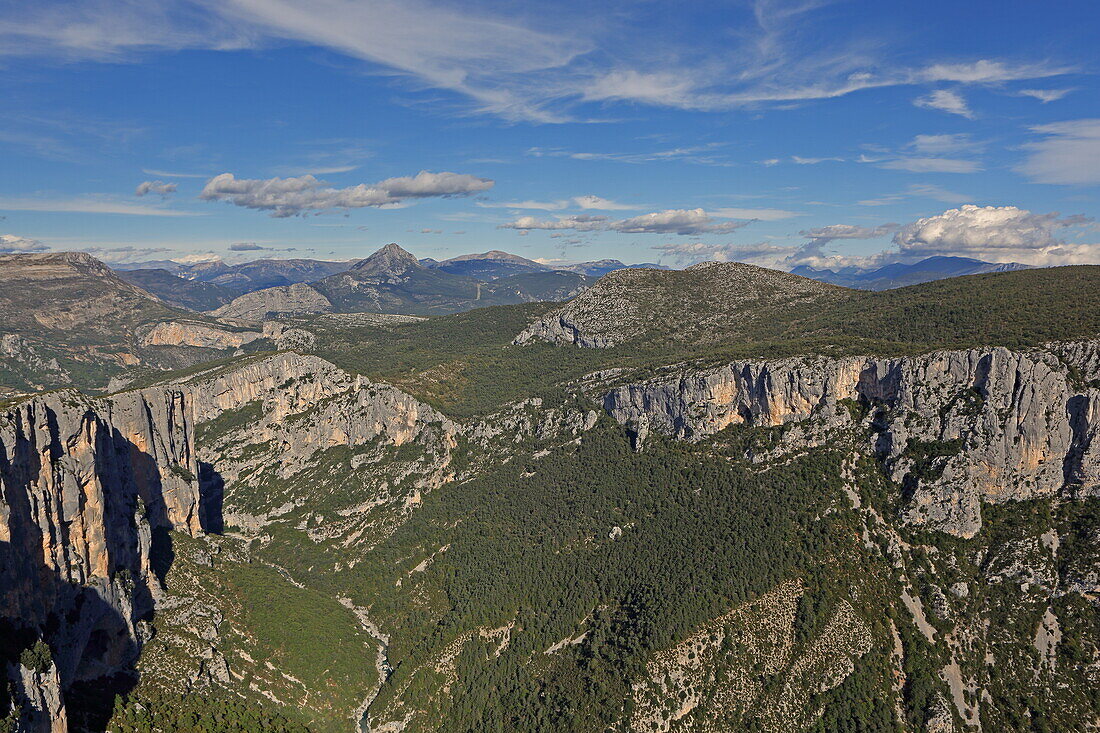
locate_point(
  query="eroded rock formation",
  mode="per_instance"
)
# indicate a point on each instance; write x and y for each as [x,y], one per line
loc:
[957,428]
[90,489]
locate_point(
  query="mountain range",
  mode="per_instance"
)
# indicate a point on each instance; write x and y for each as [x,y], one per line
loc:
[900,274]
[724,498]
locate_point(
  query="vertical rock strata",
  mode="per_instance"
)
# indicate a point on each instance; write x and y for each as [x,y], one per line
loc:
[90,488]
[956,428]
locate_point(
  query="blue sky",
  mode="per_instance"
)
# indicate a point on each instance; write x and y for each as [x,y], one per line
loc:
[822,133]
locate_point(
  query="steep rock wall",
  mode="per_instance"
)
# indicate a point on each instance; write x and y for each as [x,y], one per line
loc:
[956,428]
[89,489]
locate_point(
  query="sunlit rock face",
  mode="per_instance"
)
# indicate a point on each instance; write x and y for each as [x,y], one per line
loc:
[997,425]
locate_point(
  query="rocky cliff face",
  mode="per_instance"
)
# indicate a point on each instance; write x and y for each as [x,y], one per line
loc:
[90,489]
[956,428]
[181,333]
[284,300]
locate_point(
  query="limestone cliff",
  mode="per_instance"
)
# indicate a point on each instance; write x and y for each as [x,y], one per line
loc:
[956,428]
[286,300]
[182,333]
[90,488]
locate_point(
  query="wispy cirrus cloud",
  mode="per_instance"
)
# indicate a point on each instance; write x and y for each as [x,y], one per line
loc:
[587,202]
[515,62]
[946,100]
[1044,95]
[88,205]
[706,154]
[172,174]
[919,190]
[1068,153]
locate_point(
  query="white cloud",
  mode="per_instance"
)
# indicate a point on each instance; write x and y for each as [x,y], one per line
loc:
[846,231]
[946,100]
[760,253]
[931,165]
[533,205]
[669,221]
[700,154]
[600,204]
[11,243]
[293,196]
[157,187]
[515,61]
[919,190]
[664,88]
[1069,153]
[758,214]
[87,205]
[1044,95]
[127,253]
[675,221]
[798,159]
[171,174]
[997,233]
[581,223]
[588,203]
[985,71]
[943,144]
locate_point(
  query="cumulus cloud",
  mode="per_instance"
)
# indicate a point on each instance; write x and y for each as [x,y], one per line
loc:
[245,247]
[11,243]
[946,100]
[157,187]
[302,194]
[580,223]
[1068,154]
[997,233]
[676,221]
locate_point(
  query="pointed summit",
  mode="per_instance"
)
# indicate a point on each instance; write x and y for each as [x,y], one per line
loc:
[390,260]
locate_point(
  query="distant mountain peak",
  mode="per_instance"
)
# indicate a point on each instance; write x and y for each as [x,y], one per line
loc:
[391,259]
[496,255]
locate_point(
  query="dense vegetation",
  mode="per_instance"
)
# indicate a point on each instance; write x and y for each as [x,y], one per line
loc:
[465,365]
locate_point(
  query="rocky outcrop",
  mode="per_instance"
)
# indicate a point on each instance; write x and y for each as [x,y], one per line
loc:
[285,300]
[955,428]
[181,333]
[706,302]
[90,489]
[277,415]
